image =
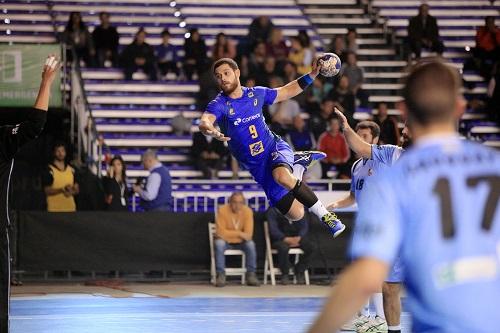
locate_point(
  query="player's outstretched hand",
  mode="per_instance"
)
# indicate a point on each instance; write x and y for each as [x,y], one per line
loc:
[316,66]
[50,68]
[218,135]
[343,120]
[332,206]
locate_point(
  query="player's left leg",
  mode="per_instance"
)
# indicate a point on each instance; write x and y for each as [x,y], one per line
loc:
[391,293]
[392,306]
[303,194]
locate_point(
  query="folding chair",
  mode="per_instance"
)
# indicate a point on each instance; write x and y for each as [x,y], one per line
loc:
[269,269]
[230,271]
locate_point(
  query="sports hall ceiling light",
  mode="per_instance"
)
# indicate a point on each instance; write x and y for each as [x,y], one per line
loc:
[187,35]
[7,21]
[177,13]
[467,48]
[182,24]
[5,10]
[8,31]
[173,3]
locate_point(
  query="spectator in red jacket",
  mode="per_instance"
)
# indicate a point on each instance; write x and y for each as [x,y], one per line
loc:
[334,145]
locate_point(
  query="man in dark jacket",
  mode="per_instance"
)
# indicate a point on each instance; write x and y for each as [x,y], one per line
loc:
[209,155]
[423,31]
[285,235]
[12,138]
[139,55]
[106,41]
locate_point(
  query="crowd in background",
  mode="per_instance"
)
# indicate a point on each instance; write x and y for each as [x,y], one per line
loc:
[267,58]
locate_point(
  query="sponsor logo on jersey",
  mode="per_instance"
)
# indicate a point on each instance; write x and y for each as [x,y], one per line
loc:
[255,102]
[250,94]
[246,120]
[256,148]
[274,155]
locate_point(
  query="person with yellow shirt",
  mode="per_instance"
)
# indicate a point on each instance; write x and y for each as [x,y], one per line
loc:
[234,223]
[60,185]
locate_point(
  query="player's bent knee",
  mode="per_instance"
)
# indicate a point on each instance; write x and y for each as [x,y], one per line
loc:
[284,177]
[296,211]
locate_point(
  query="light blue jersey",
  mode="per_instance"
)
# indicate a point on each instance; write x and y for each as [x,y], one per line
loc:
[382,157]
[438,209]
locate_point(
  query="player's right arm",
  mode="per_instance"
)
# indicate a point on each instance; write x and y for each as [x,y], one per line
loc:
[344,202]
[207,127]
[354,141]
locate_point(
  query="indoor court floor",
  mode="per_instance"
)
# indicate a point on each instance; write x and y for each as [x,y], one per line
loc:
[163,307]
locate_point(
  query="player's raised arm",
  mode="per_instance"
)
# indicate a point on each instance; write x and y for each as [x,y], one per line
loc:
[354,141]
[207,127]
[295,87]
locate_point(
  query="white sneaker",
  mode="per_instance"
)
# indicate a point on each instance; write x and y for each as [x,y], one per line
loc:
[357,322]
[376,325]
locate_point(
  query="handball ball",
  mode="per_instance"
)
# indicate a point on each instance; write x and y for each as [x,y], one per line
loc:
[330,64]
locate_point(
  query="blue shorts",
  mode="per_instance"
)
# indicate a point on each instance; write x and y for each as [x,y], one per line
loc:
[396,273]
[281,153]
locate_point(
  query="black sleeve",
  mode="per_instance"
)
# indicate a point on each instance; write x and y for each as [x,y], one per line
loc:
[47,177]
[12,138]
[107,184]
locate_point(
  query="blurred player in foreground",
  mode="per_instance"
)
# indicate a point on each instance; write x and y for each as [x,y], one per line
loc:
[437,209]
[238,112]
[12,138]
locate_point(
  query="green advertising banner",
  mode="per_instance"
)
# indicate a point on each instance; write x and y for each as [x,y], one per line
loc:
[21,71]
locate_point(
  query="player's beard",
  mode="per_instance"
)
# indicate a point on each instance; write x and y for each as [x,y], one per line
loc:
[228,89]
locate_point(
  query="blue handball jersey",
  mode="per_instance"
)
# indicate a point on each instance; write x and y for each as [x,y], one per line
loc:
[382,157]
[242,120]
[438,209]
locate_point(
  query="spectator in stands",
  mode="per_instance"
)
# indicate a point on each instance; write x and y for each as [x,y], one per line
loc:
[487,50]
[299,136]
[299,56]
[60,182]
[209,155]
[77,36]
[166,55]
[334,145]
[264,75]
[115,185]
[282,113]
[337,46]
[223,47]
[493,94]
[356,78]
[195,54]
[259,30]
[235,231]
[139,55]
[319,120]
[351,40]
[106,40]
[320,89]
[286,235]
[343,95]
[181,125]
[290,72]
[156,194]
[257,58]
[423,32]
[389,133]
[276,46]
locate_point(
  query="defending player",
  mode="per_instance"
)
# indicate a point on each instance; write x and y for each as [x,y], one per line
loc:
[438,208]
[238,112]
[374,158]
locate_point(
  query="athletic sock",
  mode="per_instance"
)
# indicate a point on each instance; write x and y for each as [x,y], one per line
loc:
[319,209]
[378,302]
[298,171]
[394,329]
[366,310]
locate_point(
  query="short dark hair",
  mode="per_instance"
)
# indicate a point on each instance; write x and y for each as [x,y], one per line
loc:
[227,61]
[101,14]
[431,91]
[165,32]
[367,124]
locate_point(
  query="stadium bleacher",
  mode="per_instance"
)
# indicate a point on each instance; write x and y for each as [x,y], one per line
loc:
[135,115]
